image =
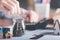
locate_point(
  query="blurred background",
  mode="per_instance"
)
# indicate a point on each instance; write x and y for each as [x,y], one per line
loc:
[45,8]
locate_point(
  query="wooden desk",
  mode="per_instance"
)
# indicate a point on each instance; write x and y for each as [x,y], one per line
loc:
[6,22]
[1,36]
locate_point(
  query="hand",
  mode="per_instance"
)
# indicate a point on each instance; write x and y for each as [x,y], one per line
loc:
[57,15]
[31,16]
[10,6]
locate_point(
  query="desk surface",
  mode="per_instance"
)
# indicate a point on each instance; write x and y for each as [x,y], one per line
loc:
[29,34]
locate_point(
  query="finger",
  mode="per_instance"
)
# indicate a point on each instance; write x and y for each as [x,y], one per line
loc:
[35,17]
[18,7]
[14,6]
[10,2]
[8,6]
[14,10]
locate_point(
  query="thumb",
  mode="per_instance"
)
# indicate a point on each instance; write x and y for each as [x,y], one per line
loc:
[33,16]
